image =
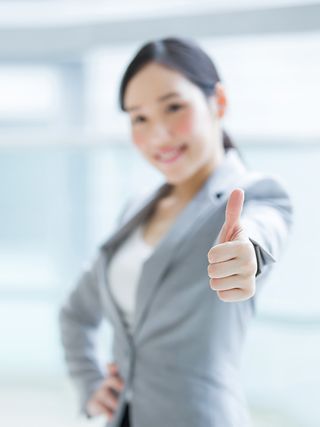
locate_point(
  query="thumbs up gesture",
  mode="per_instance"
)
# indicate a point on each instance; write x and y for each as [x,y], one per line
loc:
[232,261]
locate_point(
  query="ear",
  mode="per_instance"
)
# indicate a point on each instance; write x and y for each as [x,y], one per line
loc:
[218,100]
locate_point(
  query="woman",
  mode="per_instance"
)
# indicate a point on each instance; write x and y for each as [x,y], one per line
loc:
[179,278]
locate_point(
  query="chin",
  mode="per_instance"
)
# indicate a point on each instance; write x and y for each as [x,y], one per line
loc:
[176,179]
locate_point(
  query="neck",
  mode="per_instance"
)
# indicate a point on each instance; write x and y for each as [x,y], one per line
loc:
[185,190]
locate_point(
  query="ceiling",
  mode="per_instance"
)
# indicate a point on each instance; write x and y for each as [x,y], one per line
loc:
[56,29]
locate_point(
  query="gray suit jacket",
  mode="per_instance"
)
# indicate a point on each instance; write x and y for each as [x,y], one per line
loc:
[182,362]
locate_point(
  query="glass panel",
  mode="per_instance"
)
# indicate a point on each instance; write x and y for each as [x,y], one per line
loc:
[59,203]
[271,93]
[28,93]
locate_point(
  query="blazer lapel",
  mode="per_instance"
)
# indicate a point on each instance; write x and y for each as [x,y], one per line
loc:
[135,218]
[211,195]
[108,248]
[156,265]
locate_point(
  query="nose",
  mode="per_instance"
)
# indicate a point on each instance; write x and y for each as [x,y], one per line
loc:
[160,134]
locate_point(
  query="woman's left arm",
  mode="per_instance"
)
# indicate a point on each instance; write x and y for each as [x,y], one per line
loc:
[252,236]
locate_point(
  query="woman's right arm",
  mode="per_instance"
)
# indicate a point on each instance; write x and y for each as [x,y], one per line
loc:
[79,318]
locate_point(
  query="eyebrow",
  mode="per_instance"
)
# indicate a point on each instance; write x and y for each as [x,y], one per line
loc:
[160,99]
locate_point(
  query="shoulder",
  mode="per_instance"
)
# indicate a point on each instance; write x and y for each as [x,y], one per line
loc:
[268,200]
[261,185]
[138,200]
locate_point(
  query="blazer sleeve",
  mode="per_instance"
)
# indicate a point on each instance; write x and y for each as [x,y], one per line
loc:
[267,217]
[79,318]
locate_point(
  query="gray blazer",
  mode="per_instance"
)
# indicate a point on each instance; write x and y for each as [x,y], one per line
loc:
[182,362]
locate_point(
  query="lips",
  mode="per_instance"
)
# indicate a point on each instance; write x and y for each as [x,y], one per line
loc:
[169,155]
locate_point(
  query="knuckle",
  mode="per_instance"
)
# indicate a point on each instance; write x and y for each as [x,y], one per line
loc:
[222,296]
[250,289]
[99,393]
[243,248]
[213,284]
[110,399]
[210,255]
[248,266]
[118,386]
[108,381]
[111,391]
[213,253]
[210,270]
[253,265]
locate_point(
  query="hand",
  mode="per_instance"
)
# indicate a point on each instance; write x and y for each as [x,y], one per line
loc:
[232,261]
[105,399]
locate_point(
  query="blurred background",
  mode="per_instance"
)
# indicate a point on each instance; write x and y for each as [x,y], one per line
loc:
[67,167]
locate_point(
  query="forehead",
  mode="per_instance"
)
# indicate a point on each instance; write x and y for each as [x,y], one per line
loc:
[154,81]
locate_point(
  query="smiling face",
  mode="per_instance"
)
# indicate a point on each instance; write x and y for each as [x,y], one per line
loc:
[175,127]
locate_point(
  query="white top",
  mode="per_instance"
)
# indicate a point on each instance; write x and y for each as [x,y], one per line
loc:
[124,272]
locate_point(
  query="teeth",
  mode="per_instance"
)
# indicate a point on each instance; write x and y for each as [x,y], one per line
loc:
[168,156]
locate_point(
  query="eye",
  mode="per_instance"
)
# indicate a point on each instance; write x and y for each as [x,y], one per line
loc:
[138,119]
[174,107]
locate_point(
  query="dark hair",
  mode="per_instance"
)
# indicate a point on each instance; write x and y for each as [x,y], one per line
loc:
[182,55]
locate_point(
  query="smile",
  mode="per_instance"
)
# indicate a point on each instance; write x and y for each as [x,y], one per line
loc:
[171,155]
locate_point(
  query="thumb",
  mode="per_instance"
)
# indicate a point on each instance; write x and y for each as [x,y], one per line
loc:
[232,216]
[234,208]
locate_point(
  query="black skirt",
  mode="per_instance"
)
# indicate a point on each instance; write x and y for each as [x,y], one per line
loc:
[126,417]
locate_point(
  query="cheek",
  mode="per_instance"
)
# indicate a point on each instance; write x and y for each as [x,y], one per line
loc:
[138,139]
[184,125]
